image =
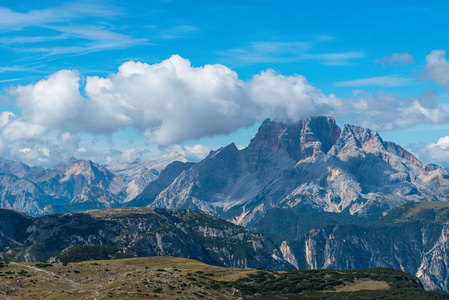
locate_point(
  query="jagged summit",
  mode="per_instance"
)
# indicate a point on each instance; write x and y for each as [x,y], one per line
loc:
[297,138]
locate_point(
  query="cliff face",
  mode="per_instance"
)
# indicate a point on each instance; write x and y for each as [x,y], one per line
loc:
[138,232]
[413,238]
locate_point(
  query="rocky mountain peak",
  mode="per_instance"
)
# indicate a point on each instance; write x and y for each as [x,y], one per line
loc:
[72,160]
[300,139]
[355,139]
[224,152]
[401,152]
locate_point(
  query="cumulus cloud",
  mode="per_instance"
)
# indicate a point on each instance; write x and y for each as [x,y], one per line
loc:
[396,59]
[437,153]
[192,153]
[168,102]
[437,68]
[290,97]
[388,111]
[172,102]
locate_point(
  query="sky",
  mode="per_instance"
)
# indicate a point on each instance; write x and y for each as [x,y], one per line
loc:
[118,80]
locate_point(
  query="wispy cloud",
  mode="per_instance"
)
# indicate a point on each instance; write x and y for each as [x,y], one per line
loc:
[261,52]
[335,59]
[16,69]
[13,20]
[283,52]
[395,60]
[177,31]
[10,80]
[31,39]
[55,25]
[96,39]
[384,81]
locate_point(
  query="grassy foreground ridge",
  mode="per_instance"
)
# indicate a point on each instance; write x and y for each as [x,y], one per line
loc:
[177,278]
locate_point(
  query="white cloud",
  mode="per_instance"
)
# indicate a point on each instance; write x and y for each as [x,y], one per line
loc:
[437,153]
[289,97]
[129,154]
[171,101]
[384,81]
[18,130]
[388,111]
[52,102]
[396,59]
[335,59]
[6,117]
[192,153]
[437,68]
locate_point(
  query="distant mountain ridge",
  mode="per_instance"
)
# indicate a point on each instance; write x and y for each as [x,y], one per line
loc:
[75,185]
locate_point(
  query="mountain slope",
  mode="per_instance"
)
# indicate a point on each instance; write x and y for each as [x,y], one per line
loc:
[154,188]
[309,166]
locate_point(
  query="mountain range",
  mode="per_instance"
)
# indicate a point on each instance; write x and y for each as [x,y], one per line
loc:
[76,185]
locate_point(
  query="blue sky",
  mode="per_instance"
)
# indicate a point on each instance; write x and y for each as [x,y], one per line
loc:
[379,64]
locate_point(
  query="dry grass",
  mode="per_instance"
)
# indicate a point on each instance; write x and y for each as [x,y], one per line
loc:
[134,278]
[363,284]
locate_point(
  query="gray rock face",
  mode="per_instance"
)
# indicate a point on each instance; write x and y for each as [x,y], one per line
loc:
[22,194]
[140,232]
[312,165]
